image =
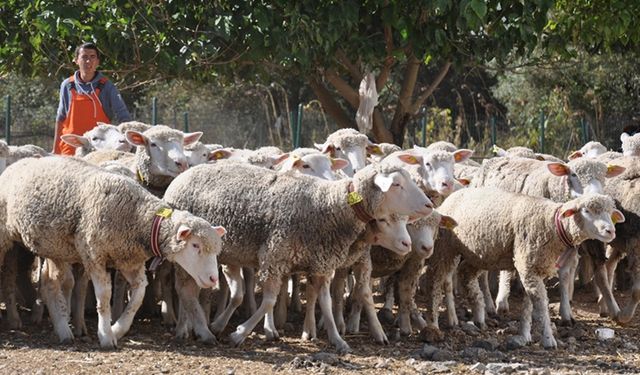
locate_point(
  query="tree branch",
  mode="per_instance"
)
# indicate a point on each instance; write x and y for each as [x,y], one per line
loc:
[331,106]
[432,87]
[388,61]
[352,68]
[343,88]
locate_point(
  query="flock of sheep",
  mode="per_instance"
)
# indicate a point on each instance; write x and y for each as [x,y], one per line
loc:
[151,202]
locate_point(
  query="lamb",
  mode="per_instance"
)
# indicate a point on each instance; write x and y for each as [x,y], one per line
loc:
[404,270]
[138,126]
[77,218]
[268,217]
[101,137]
[378,151]
[590,149]
[347,144]
[533,233]
[199,153]
[532,177]
[313,163]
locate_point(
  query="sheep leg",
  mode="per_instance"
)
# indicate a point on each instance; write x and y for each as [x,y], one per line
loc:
[469,275]
[190,312]
[295,304]
[101,280]
[233,274]
[363,293]
[627,312]
[163,275]
[309,326]
[222,298]
[566,274]
[535,289]
[407,285]
[450,300]
[280,311]
[324,298]
[338,285]
[270,290]
[386,312]
[37,311]
[119,295]
[525,319]
[79,298]
[504,288]
[489,306]
[416,316]
[249,304]
[53,276]
[137,279]
[606,301]
[9,276]
[205,298]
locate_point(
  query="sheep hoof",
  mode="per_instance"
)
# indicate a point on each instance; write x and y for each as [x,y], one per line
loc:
[431,335]
[306,336]
[386,316]
[209,341]
[108,343]
[567,323]
[342,347]
[236,338]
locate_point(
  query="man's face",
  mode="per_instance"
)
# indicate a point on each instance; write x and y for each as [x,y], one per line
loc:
[87,60]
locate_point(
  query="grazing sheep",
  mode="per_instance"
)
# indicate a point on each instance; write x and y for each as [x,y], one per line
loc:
[347,144]
[526,233]
[101,137]
[284,224]
[70,211]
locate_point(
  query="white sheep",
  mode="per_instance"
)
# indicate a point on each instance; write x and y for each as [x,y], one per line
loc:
[101,137]
[283,224]
[347,144]
[590,149]
[526,233]
[70,211]
[379,151]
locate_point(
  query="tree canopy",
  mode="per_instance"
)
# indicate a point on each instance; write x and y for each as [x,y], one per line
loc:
[329,45]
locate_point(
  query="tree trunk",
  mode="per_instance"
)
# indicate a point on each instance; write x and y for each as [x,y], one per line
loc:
[403,114]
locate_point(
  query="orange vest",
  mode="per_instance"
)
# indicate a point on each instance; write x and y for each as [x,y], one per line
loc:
[85,111]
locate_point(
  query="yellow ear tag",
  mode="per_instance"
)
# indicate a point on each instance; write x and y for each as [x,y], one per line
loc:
[164,212]
[217,155]
[140,176]
[354,198]
[494,149]
[376,150]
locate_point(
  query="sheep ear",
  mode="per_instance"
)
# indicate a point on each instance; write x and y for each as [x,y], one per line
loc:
[328,149]
[410,159]
[191,138]
[338,163]
[575,155]
[183,233]
[539,157]
[464,181]
[448,222]
[383,182]
[219,154]
[220,230]
[74,140]
[279,159]
[102,123]
[558,169]
[291,163]
[614,170]
[624,136]
[374,149]
[462,155]
[617,217]
[569,212]
[136,138]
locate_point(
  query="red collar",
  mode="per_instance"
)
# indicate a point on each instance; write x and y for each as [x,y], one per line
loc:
[564,237]
[155,233]
[355,201]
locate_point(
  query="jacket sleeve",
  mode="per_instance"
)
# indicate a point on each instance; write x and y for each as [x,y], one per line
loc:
[63,105]
[116,109]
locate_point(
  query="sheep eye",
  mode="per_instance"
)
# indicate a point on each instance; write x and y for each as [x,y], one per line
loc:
[95,138]
[428,165]
[306,166]
[382,220]
[338,148]
[396,184]
[153,144]
[197,246]
[122,141]
[574,175]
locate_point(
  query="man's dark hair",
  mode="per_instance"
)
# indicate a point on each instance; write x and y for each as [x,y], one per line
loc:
[87,45]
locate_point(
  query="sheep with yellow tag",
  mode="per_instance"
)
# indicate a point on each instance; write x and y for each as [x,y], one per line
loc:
[70,211]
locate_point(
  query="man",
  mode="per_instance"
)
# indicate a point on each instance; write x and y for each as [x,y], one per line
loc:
[86,98]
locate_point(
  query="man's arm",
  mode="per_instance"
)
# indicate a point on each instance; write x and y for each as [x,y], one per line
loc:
[56,137]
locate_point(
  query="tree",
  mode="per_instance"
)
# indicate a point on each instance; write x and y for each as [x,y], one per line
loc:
[329,44]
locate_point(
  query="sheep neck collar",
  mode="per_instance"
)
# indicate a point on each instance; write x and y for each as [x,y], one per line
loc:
[355,202]
[158,258]
[564,238]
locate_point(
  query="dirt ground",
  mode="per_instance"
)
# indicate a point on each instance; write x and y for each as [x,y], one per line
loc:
[149,348]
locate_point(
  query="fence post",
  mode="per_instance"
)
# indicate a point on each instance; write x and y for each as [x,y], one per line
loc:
[298,125]
[424,127]
[585,130]
[186,122]
[493,130]
[542,120]
[154,111]
[7,121]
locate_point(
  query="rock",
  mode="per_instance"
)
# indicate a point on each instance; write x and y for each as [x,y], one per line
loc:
[431,335]
[386,316]
[504,368]
[490,344]
[442,355]
[478,367]
[437,368]
[428,351]
[382,363]
[630,346]
[470,329]
[473,353]
[324,357]
[571,341]
[515,342]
